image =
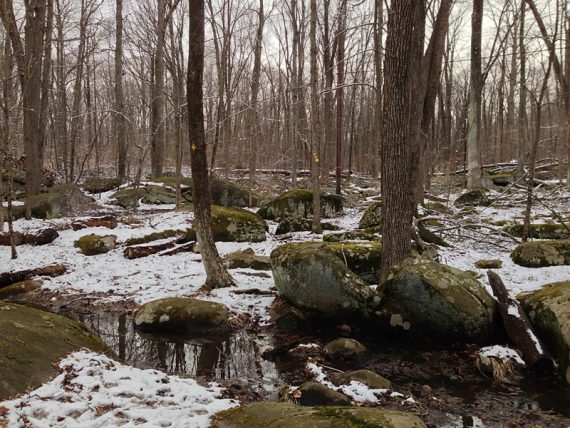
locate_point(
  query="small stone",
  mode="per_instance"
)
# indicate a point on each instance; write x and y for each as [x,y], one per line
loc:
[344,348]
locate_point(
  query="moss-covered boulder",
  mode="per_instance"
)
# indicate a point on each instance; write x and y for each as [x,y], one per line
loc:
[426,299]
[489,264]
[537,254]
[237,225]
[549,312]
[351,235]
[61,201]
[158,195]
[128,198]
[366,377]
[540,231]
[181,314]
[247,259]
[317,394]
[22,287]
[100,185]
[91,245]
[362,258]
[299,203]
[344,348]
[430,237]
[372,217]
[223,192]
[315,279]
[32,342]
[473,198]
[285,415]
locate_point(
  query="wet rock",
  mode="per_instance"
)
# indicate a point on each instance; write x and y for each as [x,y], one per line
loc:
[489,264]
[299,203]
[537,254]
[344,348]
[247,260]
[32,341]
[19,288]
[181,314]
[366,377]
[92,245]
[549,312]
[317,394]
[313,278]
[100,185]
[286,415]
[61,201]
[372,217]
[540,231]
[473,198]
[430,300]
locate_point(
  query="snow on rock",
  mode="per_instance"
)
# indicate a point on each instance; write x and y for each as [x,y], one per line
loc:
[92,391]
[501,353]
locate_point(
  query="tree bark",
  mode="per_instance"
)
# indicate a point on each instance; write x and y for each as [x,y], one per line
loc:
[157,97]
[216,274]
[315,125]
[341,37]
[119,118]
[475,89]
[404,44]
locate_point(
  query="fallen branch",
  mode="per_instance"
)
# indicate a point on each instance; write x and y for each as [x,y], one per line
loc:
[9,278]
[166,249]
[519,329]
[43,237]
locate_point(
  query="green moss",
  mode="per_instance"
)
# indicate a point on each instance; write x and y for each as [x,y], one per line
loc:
[299,203]
[155,236]
[91,245]
[101,185]
[32,342]
[540,231]
[489,264]
[158,195]
[237,225]
[542,253]
[549,312]
[476,197]
[19,288]
[372,217]
[353,235]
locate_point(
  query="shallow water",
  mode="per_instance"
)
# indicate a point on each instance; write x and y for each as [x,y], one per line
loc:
[235,358]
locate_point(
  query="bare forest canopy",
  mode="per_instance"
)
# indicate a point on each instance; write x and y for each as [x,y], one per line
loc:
[258,116]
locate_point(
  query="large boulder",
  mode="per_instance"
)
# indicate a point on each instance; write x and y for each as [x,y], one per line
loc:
[549,312]
[366,377]
[131,197]
[32,341]
[473,198]
[181,314]
[540,231]
[351,235]
[372,217]
[299,203]
[237,225]
[285,415]
[92,245]
[430,300]
[61,201]
[128,198]
[247,259]
[537,254]
[317,394]
[315,279]
[100,185]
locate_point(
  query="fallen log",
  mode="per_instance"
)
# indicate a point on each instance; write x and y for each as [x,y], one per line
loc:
[519,329]
[108,221]
[166,249]
[9,278]
[43,237]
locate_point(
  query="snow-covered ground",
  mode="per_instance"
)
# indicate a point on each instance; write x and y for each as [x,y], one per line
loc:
[92,390]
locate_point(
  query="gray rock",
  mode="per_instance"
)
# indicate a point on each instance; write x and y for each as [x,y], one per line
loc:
[537,254]
[344,348]
[427,299]
[317,394]
[92,245]
[180,314]
[366,377]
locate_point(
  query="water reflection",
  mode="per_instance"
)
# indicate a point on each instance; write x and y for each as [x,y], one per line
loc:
[213,357]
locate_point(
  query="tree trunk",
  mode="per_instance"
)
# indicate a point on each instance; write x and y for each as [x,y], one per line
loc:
[404,45]
[216,274]
[522,95]
[341,37]
[475,89]
[119,118]
[315,131]
[157,143]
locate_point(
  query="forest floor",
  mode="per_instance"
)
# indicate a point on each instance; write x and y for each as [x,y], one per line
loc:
[161,381]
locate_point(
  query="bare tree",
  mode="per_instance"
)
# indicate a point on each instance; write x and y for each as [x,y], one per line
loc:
[119,116]
[216,274]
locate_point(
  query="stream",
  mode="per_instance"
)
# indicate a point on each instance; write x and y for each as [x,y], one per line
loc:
[458,395]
